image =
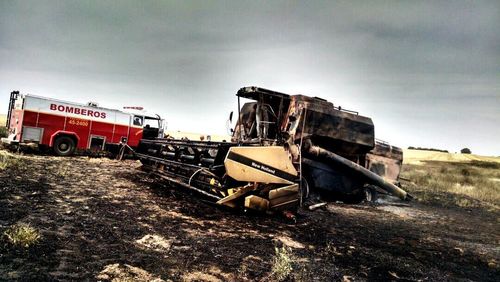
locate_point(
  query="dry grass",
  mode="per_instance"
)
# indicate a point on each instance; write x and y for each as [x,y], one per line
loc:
[463,184]
[3,129]
[22,234]
[8,160]
[63,170]
[3,119]
[282,263]
[3,132]
[418,156]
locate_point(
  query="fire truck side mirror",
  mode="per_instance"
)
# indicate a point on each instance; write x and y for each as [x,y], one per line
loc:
[231,117]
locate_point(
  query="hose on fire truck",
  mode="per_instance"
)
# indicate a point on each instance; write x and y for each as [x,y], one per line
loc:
[121,153]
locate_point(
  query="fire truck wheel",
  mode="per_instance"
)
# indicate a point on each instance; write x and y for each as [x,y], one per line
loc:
[64,146]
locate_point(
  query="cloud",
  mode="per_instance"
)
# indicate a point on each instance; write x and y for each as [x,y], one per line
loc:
[407,65]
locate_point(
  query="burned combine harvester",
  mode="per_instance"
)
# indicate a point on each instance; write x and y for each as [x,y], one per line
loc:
[284,149]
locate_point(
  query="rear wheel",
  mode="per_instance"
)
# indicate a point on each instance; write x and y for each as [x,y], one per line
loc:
[64,146]
[371,194]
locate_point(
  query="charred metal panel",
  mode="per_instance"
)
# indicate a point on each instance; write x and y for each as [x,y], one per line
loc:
[324,177]
[255,93]
[385,160]
[386,150]
[333,129]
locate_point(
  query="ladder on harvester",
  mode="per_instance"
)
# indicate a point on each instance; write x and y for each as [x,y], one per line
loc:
[13,98]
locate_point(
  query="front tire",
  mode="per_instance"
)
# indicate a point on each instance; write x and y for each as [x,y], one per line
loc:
[64,146]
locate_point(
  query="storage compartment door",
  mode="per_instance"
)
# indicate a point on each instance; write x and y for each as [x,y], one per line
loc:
[32,134]
[97,143]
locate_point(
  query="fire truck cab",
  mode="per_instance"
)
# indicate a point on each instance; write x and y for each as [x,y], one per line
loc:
[66,126]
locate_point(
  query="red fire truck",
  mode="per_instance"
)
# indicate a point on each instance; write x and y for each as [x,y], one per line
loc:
[66,126]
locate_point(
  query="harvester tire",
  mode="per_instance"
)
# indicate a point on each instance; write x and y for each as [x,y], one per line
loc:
[64,146]
[371,194]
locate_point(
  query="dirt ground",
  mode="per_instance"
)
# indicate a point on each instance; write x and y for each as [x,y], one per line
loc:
[102,219]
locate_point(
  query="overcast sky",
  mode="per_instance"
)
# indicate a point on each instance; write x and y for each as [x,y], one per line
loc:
[427,73]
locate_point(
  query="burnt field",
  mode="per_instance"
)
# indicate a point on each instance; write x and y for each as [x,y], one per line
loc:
[100,219]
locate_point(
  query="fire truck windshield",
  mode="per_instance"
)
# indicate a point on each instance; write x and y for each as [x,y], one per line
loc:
[152,122]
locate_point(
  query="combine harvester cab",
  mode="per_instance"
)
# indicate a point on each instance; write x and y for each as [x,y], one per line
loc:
[283,149]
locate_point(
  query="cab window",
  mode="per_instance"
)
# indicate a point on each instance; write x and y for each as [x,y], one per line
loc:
[151,122]
[138,120]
